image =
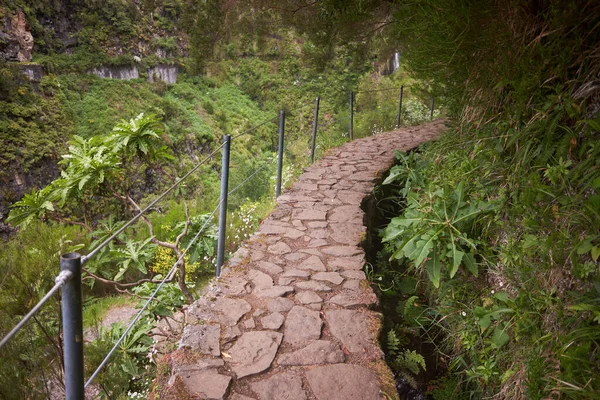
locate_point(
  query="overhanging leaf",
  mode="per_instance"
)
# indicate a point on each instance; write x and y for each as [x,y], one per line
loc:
[471,264]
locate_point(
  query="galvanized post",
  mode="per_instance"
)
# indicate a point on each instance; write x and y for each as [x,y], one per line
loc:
[280,153]
[432,106]
[351,115]
[72,316]
[223,210]
[400,107]
[314,133]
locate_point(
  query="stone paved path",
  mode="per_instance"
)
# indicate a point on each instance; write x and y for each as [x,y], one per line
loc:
[291,318]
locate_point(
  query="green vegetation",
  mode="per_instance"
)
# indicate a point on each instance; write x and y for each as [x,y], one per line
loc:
[491,250]
[490,262]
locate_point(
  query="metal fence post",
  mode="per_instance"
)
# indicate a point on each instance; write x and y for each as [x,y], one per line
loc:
[280,153]
[314,133]
[351,115]
[72,316]
[223,210]
[400,107]
[432,106]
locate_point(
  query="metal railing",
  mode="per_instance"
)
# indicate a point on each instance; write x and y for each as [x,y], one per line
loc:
[71,264]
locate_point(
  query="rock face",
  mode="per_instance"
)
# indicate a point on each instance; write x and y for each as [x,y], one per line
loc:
[294,305]
[163,72]
[123,73]
[16,41]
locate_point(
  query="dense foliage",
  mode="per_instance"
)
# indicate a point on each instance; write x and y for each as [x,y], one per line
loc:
[493,259]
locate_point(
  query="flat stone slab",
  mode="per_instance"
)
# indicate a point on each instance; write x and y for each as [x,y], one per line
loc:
[233,286]
[272,321]
[312,263]
[332,277]
[302,324]
[342,251]
[314,215]
[293,233]
[275,291]
[254,352]
[343,382]
[231,309]
[260,279]
[206,384]
[308,297]
[296,273]
[280,304]
[202,338]
[318,352]
[269,267]
[354,298]
[346,263]
[287,386]
[313,285]
[352,328]
[279,248]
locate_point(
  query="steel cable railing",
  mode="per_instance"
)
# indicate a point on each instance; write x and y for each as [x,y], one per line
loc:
[60,280]
[160,285]
[148,207]
[71,263]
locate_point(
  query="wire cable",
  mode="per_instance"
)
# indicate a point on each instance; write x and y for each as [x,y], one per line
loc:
[91,254]
[60,280]
[139,314]
[256,171]
[376,90]
[253,128]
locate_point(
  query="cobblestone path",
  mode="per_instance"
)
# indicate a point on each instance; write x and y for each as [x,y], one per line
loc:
[291,318]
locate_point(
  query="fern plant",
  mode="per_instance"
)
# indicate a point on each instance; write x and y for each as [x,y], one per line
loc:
[406,363]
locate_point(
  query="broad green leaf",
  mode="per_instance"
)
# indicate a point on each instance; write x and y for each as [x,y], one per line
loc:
[424,247]
[434,269]
[120,274]
[470,263]
[500,337]
[458,197]
[502,296]
[595,253]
